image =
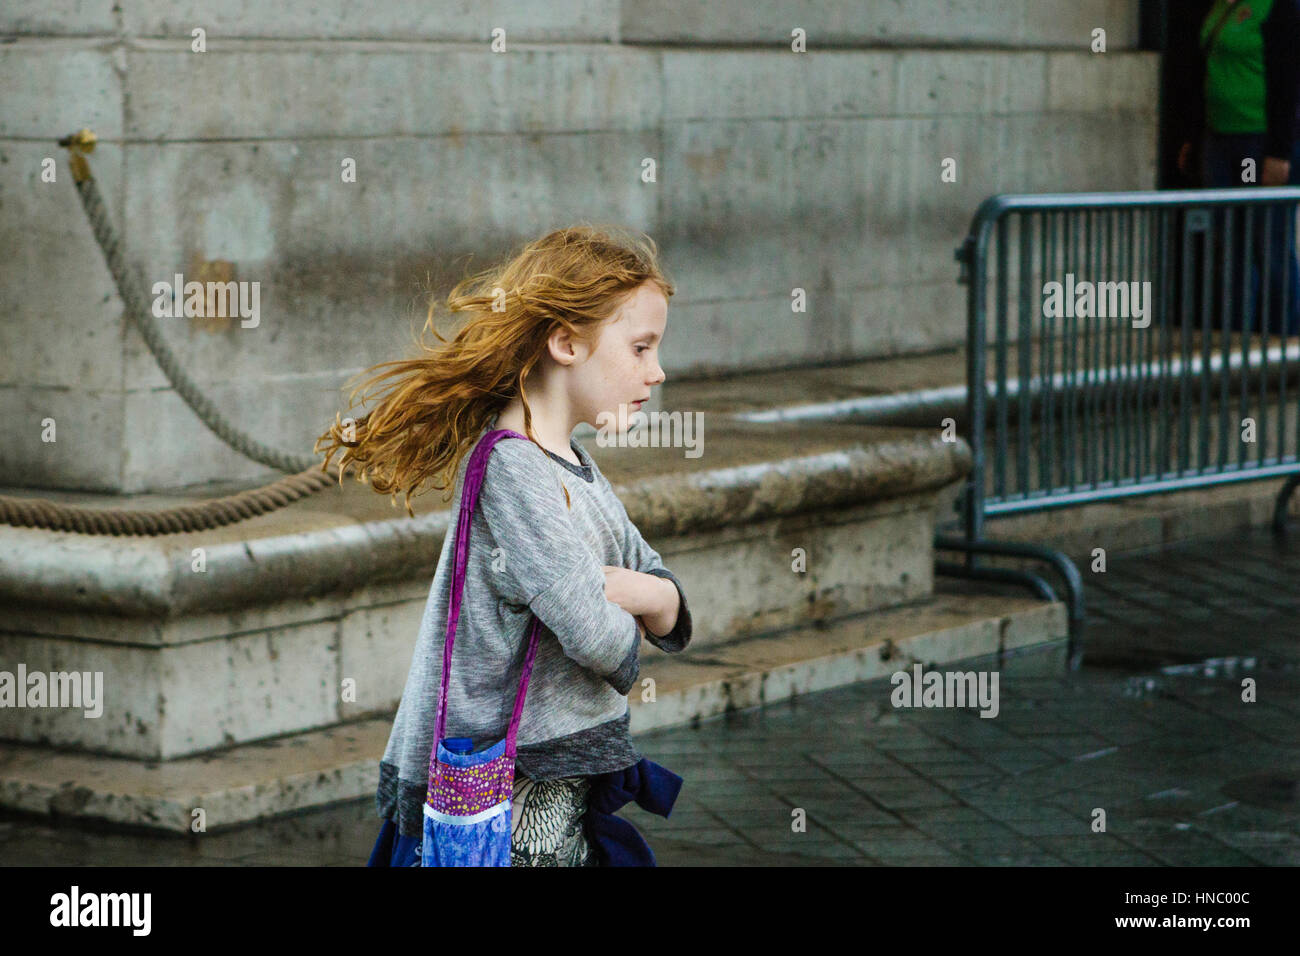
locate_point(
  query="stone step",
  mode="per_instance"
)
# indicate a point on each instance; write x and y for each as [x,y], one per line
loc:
[258,780]
[775,526]
[882,390]
[948,626]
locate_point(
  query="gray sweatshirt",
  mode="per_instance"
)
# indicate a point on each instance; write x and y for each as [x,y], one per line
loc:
[528,555]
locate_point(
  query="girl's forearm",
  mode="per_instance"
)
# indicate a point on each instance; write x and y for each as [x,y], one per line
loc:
[662,615]
[653,600]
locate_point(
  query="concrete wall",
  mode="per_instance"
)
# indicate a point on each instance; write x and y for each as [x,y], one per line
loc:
[775,170]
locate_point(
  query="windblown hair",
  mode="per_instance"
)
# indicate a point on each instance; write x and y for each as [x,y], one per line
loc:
[430,415]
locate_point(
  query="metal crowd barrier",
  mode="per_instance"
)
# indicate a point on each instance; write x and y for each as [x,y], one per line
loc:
[1136,360]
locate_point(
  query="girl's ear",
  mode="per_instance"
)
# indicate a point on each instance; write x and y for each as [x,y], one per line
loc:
[560,345]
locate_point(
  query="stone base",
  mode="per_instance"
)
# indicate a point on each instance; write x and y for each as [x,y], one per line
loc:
[259,780]
[307,617]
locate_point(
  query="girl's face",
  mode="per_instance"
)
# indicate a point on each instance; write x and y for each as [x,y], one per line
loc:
[624,365]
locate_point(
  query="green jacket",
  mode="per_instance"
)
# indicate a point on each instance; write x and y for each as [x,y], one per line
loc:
[1251,70]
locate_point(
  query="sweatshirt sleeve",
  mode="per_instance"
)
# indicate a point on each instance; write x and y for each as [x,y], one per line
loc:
[639,556]
[1281,32]
[545,565]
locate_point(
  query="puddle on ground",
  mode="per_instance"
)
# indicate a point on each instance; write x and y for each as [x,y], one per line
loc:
[1178,676]
[1212,667]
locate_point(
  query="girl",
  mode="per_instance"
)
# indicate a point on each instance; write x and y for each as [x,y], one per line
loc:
[566,332]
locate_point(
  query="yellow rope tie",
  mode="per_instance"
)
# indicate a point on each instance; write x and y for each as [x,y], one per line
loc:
[79,145]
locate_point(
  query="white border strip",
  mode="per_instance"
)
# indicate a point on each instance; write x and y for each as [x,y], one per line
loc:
[482,815]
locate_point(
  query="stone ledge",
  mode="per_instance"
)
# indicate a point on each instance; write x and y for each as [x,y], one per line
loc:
[236,786]
[335,539]
[319,767]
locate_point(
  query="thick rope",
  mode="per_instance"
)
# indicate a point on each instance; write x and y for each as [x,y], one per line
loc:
[307,474]
[42,513]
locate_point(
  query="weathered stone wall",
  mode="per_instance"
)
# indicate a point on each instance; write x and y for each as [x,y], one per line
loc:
[773,170]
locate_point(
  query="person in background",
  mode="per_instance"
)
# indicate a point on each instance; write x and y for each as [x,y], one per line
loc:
[1244,104]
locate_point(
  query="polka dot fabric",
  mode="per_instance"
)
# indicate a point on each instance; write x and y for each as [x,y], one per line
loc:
[464,791]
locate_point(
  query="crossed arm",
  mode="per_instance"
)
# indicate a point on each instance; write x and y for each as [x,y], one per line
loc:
[652,600]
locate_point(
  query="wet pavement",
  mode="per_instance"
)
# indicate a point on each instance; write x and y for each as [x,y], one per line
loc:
[1153,732]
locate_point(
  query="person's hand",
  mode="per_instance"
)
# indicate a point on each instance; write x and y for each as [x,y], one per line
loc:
[1276,172]
[1184,156]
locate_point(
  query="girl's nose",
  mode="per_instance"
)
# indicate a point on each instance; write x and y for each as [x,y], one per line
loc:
[659,375]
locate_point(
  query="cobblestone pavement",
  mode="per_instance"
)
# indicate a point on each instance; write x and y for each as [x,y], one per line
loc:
[1153,730]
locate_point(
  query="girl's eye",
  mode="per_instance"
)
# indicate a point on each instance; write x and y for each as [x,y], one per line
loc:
[641,348]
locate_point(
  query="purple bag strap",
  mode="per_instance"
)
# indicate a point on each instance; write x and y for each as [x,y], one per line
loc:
[474,473]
